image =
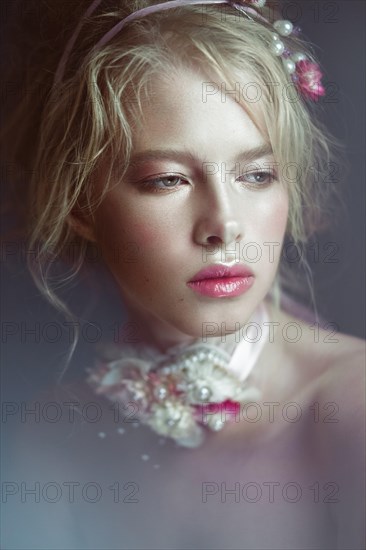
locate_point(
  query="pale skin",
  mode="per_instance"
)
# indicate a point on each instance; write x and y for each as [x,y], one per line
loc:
[211,214]
[214,208]
[189,502]
[208,213]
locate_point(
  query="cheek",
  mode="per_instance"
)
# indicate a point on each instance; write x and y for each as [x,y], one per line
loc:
[274,215]
[278,219]
[122,227]
[268,231]
[147,235]
[135,250]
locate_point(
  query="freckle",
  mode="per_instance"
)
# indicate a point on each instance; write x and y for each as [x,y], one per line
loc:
[147,280]
[181,300]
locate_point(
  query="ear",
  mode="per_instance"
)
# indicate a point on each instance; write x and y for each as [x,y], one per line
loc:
[81,224]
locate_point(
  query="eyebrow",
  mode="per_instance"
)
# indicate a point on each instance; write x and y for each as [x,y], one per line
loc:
[188,156]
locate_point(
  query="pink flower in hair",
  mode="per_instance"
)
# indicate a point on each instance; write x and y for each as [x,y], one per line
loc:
[309,79]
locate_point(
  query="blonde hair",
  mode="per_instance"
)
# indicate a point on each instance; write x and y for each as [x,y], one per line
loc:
[90,115]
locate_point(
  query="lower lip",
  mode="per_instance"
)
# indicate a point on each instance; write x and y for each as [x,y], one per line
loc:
[223,286]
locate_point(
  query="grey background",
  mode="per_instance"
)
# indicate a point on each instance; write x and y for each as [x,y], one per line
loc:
[337,29]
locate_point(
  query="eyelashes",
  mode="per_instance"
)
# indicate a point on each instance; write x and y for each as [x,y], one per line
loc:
[260,177]
[164,182]
[169,182]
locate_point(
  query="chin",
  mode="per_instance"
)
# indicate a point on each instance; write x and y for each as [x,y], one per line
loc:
[223,316]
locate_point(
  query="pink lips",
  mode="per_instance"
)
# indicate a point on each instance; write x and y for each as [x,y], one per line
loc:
[218,281]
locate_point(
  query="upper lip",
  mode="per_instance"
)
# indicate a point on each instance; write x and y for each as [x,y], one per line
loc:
[218,271]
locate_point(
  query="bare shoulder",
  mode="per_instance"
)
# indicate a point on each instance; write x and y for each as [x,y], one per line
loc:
[343,383]
[319,349]
[332,367]
[341,360]
[339,439]
[326,365]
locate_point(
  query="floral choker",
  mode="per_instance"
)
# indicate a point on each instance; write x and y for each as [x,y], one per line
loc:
[185,392]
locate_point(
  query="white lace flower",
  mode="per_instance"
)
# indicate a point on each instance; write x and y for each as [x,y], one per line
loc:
[179,394]
[215,421]
[221,383]
[137,391]
[172,418]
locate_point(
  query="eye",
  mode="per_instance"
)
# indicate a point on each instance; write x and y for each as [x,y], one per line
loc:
[163,182]
[259,177]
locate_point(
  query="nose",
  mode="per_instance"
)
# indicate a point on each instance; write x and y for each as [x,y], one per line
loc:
[219,219]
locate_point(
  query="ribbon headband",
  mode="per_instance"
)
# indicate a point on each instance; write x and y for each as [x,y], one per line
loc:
[305,74]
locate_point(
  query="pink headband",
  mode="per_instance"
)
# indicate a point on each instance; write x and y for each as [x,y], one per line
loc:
[305,74]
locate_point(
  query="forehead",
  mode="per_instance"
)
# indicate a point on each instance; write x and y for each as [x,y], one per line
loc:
[189,109]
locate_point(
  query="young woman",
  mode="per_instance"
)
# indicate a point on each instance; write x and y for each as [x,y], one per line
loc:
[176,139]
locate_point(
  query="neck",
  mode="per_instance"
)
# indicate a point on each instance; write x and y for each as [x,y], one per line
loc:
[153,331]
[161,335]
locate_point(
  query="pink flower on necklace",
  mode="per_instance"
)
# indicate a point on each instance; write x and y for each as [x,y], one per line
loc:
[309,79]
[214,415]
[177,396]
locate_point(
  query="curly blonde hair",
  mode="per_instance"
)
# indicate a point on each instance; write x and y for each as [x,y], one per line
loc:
[56,137]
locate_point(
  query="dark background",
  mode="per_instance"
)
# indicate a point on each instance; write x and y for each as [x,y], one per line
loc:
[337,29]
